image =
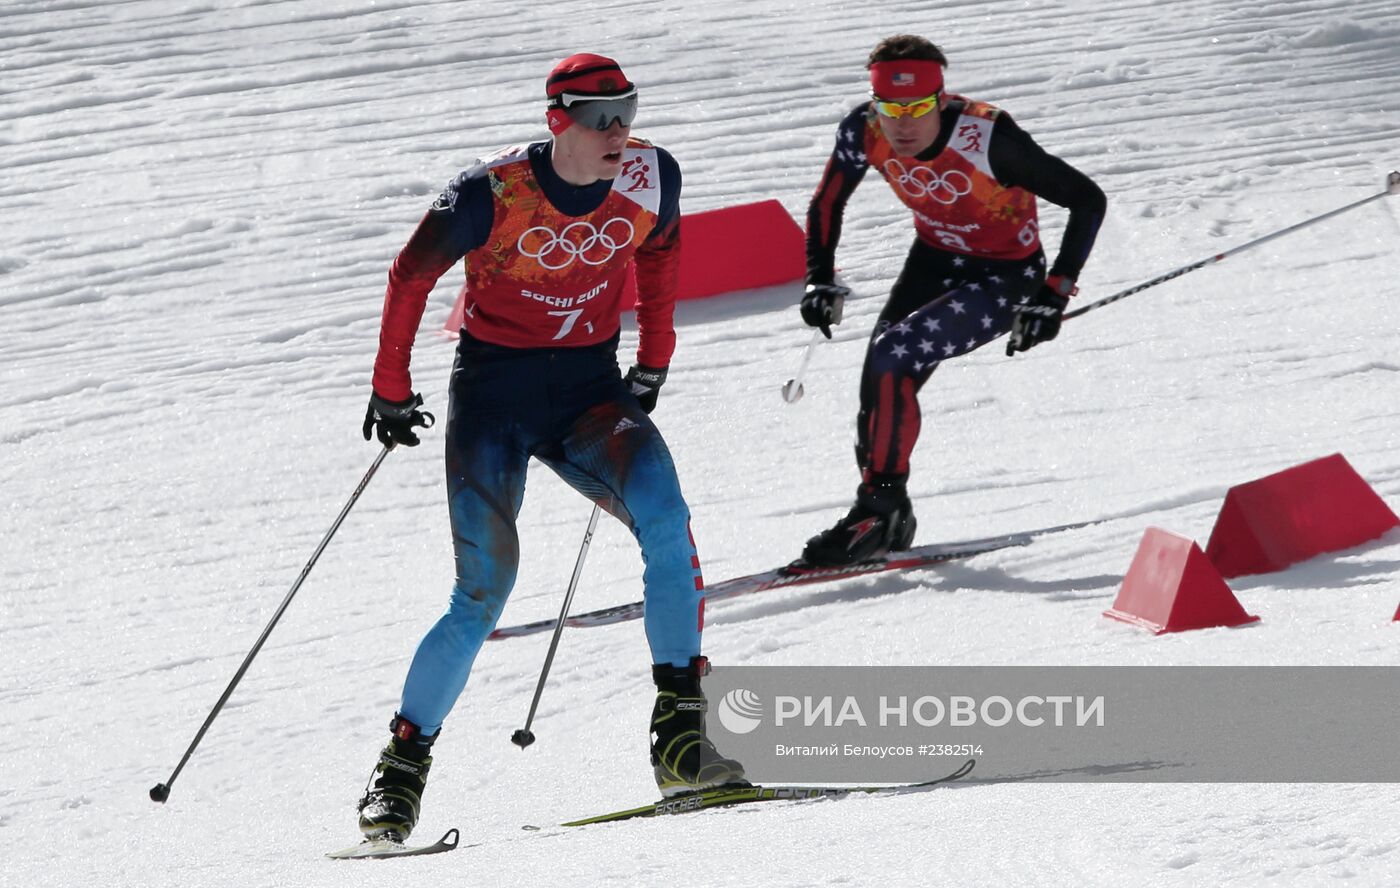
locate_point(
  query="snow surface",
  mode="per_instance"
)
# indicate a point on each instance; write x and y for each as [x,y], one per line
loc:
[200,203]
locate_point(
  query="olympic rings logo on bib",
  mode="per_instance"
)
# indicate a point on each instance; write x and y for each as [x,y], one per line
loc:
[924,182]
[578,240]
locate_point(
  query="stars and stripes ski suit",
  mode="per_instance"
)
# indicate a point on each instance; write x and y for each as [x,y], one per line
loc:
[977,252]
[536,375]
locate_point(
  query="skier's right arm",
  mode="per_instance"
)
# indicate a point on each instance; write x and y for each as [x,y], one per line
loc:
[823,299]
[458,221]
[843,173]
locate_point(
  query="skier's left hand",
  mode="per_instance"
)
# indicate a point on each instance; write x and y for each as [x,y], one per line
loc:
[645,383]
[1038,318]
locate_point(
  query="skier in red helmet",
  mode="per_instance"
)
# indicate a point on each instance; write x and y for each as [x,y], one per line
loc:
[548,231]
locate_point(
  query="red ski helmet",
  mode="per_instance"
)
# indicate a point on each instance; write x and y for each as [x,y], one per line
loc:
[582,74]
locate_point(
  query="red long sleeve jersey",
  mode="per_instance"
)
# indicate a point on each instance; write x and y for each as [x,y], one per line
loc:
[545,260]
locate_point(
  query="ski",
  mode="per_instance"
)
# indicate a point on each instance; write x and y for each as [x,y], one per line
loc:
[799,574]
[379,849]
[743,795]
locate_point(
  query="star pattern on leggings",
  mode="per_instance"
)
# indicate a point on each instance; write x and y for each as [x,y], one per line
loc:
[926,348]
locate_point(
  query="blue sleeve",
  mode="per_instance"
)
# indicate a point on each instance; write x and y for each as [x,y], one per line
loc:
[670,211]
[460,219]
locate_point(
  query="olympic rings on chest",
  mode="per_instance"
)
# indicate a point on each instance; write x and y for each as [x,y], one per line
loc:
[922,181]
[579,240]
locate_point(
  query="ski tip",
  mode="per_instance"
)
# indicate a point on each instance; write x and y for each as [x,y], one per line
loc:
[449,839]
[1392,182]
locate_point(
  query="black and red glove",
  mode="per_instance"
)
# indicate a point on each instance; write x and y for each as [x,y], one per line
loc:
[1038,318]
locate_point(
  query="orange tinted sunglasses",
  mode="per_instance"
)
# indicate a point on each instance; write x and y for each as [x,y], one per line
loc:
[916,108]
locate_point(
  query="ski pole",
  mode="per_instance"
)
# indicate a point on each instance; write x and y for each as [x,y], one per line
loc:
[1392,186]
[161,791]
[524,737]
[792,389]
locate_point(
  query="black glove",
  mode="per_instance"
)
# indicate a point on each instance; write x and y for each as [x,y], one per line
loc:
[645,383]
[394,421]
[1038,318]
[821,306]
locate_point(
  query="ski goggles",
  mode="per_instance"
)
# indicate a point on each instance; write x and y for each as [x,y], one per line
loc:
[915,108]
[598,112]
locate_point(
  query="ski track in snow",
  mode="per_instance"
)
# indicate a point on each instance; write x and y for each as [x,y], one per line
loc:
[200,204]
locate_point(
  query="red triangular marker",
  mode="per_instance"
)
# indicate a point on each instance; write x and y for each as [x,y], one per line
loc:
[1172,587]
[1293,515]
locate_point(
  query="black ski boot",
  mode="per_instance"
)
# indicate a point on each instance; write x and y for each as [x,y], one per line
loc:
[881,521]
[682,755]
[389,809]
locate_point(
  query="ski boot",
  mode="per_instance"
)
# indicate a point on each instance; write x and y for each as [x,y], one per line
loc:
[881,521]
[389,808]
[682,756]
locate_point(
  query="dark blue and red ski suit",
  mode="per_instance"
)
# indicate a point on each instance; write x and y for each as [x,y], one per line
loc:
[977,253]
[536,375]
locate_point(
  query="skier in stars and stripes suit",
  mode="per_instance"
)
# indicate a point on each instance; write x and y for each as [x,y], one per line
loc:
[975,272]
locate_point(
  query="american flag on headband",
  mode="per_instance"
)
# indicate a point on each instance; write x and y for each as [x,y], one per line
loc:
[903,78]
